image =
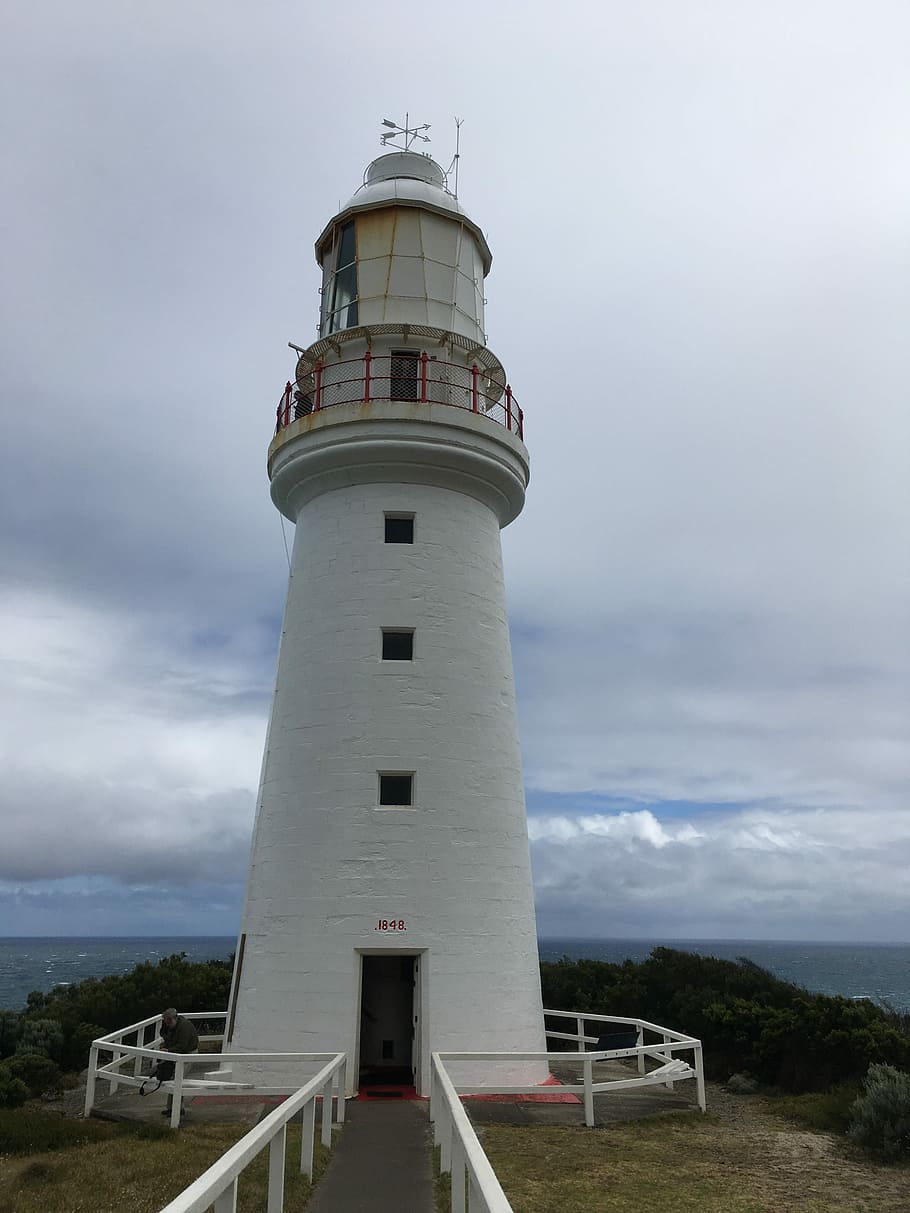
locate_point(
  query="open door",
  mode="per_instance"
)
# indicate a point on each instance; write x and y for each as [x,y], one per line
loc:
[387,1022]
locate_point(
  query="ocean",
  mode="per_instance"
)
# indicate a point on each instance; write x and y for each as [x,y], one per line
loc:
[856,970]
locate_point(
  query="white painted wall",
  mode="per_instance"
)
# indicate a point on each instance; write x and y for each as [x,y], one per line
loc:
[327,863]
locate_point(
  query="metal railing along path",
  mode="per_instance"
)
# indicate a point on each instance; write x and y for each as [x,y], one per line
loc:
[417,380]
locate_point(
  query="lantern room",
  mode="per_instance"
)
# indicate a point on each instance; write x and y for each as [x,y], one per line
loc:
[403,251]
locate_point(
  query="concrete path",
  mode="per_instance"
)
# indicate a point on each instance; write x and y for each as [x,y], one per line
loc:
[381,1162]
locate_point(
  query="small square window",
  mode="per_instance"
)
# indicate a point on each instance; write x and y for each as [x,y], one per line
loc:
[397,646]
[399,528]
[396,790]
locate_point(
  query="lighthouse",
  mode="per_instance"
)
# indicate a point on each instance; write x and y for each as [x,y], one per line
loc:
[389,905]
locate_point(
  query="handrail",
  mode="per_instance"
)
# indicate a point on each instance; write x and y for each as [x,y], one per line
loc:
[418,380]
[122,1052]
[461,1154]
[218,1185]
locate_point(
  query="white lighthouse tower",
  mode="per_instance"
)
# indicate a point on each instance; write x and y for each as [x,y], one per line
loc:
[389,907]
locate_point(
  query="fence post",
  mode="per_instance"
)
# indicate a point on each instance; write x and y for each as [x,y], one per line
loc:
[700,1077]
[423,377]
[276,1170]
[458,1177]
[227,1201]
[589,1093]
[177,1094]
[521,424]
[668,1057]
[308,1138]
[508,408]
[639,1042]
[367,359]
[140,1041]
[90,1082]
[115,1070]
[446,1125]
[342,1076]
[474,374]
[318,405]
[580,1032]
[287,403]
[326,1137]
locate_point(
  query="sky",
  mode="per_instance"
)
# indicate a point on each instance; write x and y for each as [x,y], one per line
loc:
[701,295]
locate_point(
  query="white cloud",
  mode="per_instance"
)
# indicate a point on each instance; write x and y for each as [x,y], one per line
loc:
[759,872]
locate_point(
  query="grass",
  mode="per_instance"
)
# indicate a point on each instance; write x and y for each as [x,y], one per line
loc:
[687,1163]
[100,1167]
[823,1112]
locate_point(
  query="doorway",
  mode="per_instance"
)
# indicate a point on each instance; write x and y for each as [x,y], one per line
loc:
[389,1022]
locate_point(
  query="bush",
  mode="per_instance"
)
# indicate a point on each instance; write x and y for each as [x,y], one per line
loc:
[13,1092]
[880,1117]
[75,1055]
[38,1072]
[10,1027]
[41,1036]
[64,1022]
[747,1019]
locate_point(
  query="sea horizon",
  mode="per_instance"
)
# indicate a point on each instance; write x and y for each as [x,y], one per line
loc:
[874,969]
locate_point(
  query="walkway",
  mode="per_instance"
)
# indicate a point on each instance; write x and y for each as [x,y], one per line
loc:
[381,1162]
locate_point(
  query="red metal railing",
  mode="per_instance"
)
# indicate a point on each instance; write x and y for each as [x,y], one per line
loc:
[420,379]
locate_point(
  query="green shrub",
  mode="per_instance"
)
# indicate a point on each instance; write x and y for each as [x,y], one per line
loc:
[41,1036]
[823,1111]
[78,1044]
[64,1022]
[880,1117]
[13,1093]
[38,1072]
[747,1019]
[10,1027]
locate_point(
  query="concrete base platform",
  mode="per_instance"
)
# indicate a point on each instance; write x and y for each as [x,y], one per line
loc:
[609,1108]
[127,1104]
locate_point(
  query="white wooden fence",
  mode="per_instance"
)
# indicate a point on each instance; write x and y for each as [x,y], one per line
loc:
[127,1060]
[218,1185]
[474,1184]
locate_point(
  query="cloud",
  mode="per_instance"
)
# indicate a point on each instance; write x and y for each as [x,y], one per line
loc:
[740,872]
[124,754]
[699,294]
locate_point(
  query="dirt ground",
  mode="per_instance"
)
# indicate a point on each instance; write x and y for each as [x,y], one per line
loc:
[798,1169]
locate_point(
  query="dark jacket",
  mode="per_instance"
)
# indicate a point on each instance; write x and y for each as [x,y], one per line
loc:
[181,1038]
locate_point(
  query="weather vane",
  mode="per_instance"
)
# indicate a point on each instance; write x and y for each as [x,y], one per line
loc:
[407,133]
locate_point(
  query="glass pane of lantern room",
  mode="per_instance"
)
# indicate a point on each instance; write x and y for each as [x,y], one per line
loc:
[347,248]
